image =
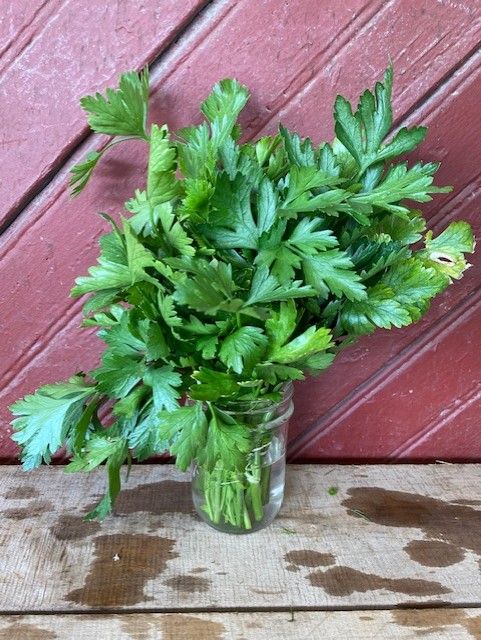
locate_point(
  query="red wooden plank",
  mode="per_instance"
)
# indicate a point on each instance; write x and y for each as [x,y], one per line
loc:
[424,40]
[454,436]
[373,359]
[67,235]
[429,386]
[82,48]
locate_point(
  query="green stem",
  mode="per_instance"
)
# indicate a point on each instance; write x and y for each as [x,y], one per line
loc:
[255,487]
[265,484]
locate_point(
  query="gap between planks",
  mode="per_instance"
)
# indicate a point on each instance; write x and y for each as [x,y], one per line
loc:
[460,624]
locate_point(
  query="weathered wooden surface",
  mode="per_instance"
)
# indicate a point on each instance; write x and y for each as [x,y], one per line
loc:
[455,624]
[390,536]
[399,395]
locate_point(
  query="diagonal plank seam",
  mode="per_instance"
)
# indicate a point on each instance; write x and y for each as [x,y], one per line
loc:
[297,91]
[455,78]
[447,212]
[433,604]
[72,314]
[462,403]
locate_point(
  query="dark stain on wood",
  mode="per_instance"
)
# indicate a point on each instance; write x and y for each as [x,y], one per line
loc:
[157,498]
[21,631]
[292,568]
[70,527]
[33,510]
[121,567]
[428,621]
[343,581]
[458,524]
[138,626]
[24,492]
[199,570]
[309,558]
[188,584]
[176,626]
[434,553]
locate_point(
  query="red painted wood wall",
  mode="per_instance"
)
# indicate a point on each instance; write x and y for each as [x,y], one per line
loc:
[412,394]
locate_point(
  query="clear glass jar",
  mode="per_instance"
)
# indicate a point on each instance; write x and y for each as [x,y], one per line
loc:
[243,502]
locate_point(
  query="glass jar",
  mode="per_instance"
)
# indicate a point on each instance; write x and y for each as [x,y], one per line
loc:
[248,500]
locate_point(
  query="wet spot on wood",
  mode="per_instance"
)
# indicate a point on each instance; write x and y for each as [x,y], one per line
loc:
[156,498]
[458,524]
[121,566]
[309,558]
[177,625]
[22,493]
[33,510]
[21,631]
[137,626]
[70,527]
[434,553]
[188,584]
[429,621]
[343,581]
[292,568]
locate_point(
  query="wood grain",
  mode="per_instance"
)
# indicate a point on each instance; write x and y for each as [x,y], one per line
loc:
[404,624]
[390,536]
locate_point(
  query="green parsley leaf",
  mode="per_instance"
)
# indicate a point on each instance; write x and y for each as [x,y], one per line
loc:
[228,441]
[210,288]
[121,265]
[164,382]
[306,344]
[161,183]
[299,152]
[379,309]
[402,183]
[186,430]
[212,385]
[446,252]
[82,172]
[222,107]
[123,112]
[333,271]
[266,288]
[45,418]
[241,349]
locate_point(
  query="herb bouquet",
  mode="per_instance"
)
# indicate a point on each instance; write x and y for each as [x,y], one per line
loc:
[238,268]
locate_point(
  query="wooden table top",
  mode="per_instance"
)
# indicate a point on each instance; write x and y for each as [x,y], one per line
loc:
[357,552]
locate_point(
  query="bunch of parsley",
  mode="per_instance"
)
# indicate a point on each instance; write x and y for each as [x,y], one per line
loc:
[238,267]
